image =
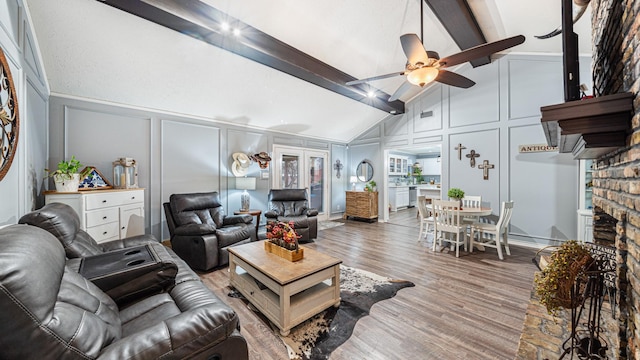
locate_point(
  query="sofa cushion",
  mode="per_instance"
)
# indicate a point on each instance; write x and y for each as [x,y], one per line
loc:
[299,222]
[195,229]
[230,235]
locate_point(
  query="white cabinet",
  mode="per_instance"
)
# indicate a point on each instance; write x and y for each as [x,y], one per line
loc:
[106,214]
[585,225]
[585,204]
[430,166]
[398,165]
[398,197]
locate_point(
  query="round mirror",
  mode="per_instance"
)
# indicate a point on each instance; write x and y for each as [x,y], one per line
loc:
[364,171]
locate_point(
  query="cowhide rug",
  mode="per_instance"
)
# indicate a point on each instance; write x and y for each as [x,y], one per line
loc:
[317,337]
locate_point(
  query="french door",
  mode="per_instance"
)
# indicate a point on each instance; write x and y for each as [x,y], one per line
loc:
[298,168]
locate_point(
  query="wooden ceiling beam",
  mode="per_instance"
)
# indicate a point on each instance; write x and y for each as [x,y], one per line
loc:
[461,24]
[203,22]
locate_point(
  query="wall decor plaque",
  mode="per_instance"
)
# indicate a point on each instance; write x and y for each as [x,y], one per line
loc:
[9,117]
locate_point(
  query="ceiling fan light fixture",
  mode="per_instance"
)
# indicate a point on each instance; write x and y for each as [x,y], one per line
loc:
[422,76]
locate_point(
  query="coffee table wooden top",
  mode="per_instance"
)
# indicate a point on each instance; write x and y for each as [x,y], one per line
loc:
[280,270]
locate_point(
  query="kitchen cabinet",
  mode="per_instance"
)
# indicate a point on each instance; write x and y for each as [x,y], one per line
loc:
[398,197]
[585,204]
[398,165]
[106,214]
[362,204]
[430,166]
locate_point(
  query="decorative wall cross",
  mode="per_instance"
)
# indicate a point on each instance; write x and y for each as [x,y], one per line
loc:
[485,166]
[338,166]
[472,156]
[460,148]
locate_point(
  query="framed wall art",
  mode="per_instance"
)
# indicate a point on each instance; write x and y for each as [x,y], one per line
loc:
[9,117]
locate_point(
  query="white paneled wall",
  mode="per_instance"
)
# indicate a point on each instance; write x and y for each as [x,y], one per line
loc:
[493,117]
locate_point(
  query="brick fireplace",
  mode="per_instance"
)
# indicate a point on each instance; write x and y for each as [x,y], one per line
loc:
[616,184]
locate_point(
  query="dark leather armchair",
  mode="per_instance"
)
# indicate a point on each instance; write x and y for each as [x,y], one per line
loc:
[292,205]
[49,311]
[201,232]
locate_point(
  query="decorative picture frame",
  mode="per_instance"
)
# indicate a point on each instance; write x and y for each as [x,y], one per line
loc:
[9,117]
[94,180]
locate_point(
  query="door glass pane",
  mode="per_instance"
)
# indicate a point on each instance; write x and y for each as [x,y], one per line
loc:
[316,186]
[290,166]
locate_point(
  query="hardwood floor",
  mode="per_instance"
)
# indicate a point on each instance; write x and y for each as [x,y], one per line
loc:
[471,307]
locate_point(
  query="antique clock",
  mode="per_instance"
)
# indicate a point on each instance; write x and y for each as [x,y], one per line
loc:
[9,119]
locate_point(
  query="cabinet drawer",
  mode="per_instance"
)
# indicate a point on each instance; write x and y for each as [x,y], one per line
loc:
[100,201]
[99,217]
[104,232]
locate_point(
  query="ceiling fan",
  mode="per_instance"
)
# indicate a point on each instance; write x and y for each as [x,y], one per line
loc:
[424,66]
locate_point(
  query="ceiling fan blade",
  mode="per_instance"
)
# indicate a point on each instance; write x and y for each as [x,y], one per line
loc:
[414,49]
[401,90]
[453,79]
[379,77]
[481,51]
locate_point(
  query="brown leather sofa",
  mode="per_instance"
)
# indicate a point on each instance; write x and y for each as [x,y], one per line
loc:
[292,205]
[51,311]
[201,232]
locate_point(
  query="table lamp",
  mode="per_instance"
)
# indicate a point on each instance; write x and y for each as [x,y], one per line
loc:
[245,183]
[353,180]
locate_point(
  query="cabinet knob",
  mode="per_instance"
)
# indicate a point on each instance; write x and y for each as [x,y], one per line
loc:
[133,198]
[104,218]
[104,233]
[123,227]
[104,201]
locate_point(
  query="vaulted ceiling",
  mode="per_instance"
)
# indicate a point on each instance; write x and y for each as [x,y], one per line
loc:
[96,51]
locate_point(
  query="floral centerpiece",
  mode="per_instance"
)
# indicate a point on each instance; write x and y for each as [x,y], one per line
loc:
[282,240]
[283,234]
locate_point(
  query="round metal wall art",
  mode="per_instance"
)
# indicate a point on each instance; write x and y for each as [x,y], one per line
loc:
[9,118]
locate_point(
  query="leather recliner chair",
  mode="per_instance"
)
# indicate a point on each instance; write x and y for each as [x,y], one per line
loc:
[288,205]
[201,232]
[51,311]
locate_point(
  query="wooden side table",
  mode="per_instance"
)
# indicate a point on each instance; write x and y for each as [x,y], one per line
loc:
[252,212]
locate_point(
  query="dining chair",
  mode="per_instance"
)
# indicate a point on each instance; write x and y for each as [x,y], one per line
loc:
[447,221]
[471,201]
[489,234]
[426,219]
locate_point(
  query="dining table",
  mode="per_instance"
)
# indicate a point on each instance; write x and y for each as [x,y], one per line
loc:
[471,211]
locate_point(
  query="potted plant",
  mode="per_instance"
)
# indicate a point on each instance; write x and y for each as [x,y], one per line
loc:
[555,282]
[67,176]
[455,193]
[370,186]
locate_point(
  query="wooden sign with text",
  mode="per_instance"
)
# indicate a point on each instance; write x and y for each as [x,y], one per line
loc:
[536,148]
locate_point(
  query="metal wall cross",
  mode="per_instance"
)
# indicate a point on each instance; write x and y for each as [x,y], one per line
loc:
[485,166]
[472,155]
[460,148]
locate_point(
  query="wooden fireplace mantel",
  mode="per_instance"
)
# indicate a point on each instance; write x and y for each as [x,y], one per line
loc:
[588,128]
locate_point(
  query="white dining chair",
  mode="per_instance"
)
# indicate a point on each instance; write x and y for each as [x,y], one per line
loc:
[471,201]
[426,219]
[448,222]
[489,234]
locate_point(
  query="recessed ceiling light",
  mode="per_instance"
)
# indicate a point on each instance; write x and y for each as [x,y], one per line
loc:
[371,94]
[236,32]
[225,26]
